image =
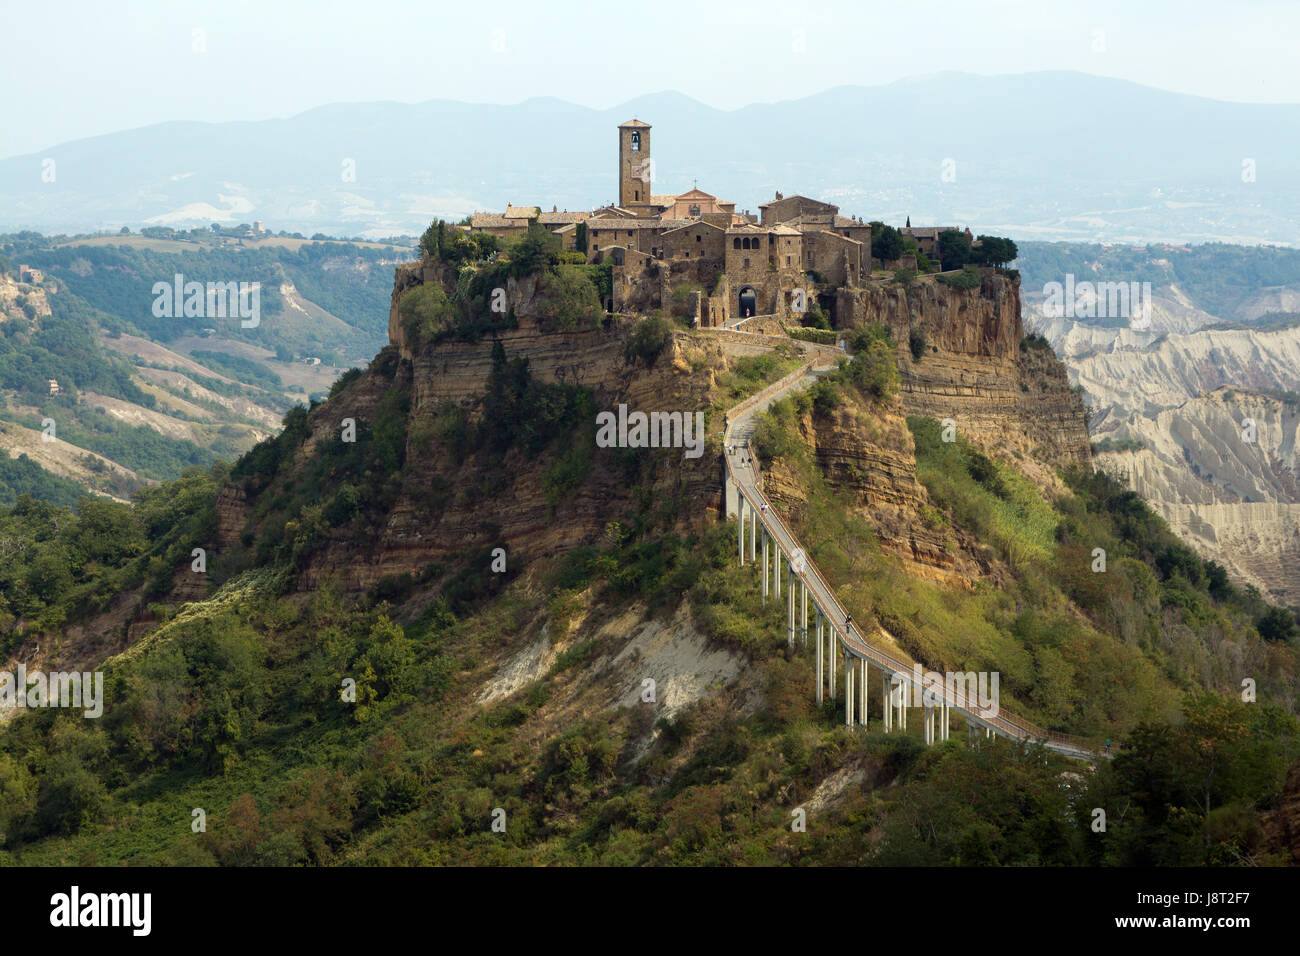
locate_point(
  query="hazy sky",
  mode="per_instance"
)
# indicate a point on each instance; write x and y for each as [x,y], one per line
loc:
[76,69]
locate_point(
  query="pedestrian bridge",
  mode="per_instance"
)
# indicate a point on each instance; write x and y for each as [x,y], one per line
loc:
[839,645]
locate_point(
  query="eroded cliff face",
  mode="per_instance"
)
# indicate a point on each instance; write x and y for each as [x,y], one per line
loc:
[864,450]
[1009,401]
[446,506]
[1223,469]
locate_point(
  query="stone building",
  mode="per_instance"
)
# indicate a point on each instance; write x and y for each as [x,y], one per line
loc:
[746,265]
[694,240]
[784,208]
[927,237]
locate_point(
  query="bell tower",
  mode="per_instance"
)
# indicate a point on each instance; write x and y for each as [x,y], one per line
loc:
[635,169]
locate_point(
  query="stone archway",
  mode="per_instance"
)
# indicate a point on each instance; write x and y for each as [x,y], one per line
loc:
[748,304]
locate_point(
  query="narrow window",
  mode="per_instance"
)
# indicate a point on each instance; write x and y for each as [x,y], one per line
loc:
[636,141]
[737,244]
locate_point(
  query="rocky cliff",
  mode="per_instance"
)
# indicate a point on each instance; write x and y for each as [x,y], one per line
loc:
[446,505]
[973,370]
[971,367]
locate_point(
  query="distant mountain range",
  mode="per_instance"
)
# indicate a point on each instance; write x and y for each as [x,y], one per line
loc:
[1052,155]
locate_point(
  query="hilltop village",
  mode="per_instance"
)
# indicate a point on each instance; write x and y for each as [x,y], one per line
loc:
[739,265]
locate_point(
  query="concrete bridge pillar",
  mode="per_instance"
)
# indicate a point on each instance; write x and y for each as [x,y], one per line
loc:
[886,705]
[832,643]
[764,569]
[820,651]
[848,689]
[927,723]
[778,557]
[740,528]
[863,669]
[803,614]
[789,615]
[753,531]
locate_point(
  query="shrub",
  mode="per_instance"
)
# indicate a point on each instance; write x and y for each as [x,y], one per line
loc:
[968,278]
[571,301]
[425,313]
[648,339]
[873,369]
[916,344]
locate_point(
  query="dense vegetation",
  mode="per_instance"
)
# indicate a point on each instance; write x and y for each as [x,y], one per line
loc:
[22,476]
[570,293]
[61,565]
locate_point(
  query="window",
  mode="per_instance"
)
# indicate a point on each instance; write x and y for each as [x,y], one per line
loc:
[737,244]
[697,238]
[636,141]
[695,209]
[746,263]
[637,194]
[787,260]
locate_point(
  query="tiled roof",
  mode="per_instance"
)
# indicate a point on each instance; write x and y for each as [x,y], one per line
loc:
[494,220]
[559,218]
[616,224]
[634,124]
[748,229]
[695,224]
[773,202]
[928,232]
[832,235]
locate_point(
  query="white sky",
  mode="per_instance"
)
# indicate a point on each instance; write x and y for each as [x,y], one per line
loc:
[78,68]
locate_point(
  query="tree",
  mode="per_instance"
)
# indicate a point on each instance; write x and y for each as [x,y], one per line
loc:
[916,344]
[886,242]
[954,249]
[17,795]
[994,251]
[1278,625]
[426,313]
[536,251]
